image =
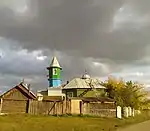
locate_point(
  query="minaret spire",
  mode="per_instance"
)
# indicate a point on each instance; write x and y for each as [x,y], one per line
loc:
[55,62]
[54,73]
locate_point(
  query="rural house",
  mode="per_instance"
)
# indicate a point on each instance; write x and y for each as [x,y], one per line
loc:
[84,87]
[16,100]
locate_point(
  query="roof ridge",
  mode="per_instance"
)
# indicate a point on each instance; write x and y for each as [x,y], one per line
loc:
[22,84]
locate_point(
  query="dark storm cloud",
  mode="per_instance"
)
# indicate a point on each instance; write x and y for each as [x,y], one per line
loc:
[111,33]
[18,64]
[78,27]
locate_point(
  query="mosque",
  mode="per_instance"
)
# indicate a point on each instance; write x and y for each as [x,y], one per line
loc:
[84,86]
[70,97]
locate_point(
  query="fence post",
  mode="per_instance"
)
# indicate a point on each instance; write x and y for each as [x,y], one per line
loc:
[27,106]
[125,112]
[62,107]
[118,111]
[81,107]
[133,112]
[65,105]
[129,111]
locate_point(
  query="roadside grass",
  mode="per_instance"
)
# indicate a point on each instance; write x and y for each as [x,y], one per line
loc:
[65,123]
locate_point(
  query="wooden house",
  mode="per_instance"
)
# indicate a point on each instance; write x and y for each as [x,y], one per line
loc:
[84,87]
[16,100]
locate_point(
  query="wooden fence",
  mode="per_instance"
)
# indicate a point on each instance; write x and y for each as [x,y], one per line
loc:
[49,107]
[98,109]
[69,107]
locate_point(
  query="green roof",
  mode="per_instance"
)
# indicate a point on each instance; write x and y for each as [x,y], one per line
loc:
[84,83]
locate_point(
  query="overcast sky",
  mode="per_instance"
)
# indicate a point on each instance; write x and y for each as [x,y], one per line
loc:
[102,36]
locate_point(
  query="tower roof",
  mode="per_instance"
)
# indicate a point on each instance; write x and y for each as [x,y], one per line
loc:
[79,83]
[55,62]
[86,75]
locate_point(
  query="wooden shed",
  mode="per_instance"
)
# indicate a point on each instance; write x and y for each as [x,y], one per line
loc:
[16,100]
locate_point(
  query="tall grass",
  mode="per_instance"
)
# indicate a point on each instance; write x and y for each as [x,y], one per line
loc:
[64,123]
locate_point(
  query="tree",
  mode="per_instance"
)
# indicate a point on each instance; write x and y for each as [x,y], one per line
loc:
[126,93]
[138,96]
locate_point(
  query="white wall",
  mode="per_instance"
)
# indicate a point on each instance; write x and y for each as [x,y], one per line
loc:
[54,92]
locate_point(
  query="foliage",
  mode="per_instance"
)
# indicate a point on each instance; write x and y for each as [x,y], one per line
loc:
[126,93]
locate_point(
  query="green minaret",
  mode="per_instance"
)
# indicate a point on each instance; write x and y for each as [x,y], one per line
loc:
[54,73]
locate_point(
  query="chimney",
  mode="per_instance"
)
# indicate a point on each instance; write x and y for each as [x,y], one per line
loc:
[23,80]
[28,87]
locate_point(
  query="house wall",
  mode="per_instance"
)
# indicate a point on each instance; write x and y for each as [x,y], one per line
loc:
[70,91]
[14,101]
[15,94]
[14,106]
[54,92]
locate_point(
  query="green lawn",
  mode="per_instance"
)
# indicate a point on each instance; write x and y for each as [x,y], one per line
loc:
[49,123]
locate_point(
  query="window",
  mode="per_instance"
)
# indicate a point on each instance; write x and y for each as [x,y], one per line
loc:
[70,94]
[54,71]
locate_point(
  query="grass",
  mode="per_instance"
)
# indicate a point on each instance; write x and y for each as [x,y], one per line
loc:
[65,123]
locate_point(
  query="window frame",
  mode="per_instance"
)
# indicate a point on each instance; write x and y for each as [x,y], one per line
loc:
[54,71]
[69,94]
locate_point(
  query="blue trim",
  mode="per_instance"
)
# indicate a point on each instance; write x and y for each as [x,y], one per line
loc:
[53,79]
[54,82]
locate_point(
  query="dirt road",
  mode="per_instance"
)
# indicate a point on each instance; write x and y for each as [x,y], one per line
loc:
[144,126]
